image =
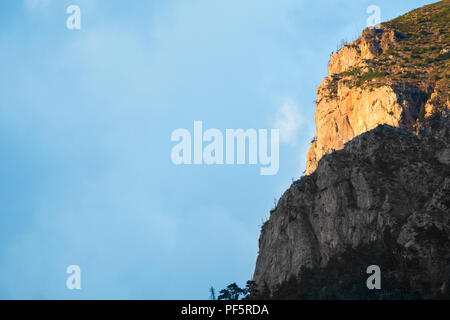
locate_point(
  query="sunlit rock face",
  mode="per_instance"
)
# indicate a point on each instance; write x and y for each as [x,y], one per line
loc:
[395,75]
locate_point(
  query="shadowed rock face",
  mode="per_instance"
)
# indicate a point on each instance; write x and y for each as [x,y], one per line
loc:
[383,200]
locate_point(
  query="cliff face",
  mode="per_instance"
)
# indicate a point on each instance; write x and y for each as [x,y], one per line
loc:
[395,75]
[387,188]
[378,183]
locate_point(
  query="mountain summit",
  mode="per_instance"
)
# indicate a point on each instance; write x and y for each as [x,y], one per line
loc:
[396,75]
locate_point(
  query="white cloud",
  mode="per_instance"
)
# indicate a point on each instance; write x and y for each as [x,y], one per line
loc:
[288,120]
[36,4]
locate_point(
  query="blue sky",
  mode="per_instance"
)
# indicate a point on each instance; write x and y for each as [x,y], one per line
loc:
[85,123]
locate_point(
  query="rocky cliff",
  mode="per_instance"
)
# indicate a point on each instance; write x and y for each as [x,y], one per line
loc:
[378,173]
[395,75]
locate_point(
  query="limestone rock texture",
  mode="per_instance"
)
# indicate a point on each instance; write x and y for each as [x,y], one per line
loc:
[377,186]
[395,75]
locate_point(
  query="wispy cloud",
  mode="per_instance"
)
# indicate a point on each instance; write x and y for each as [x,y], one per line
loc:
[288,120]
[36,4]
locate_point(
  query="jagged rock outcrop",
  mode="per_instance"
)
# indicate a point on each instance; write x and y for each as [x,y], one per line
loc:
[377,189]
[395,75]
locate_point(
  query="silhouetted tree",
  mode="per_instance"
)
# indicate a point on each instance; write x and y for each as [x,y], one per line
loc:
[232,292]
[251,290]
[212,293]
